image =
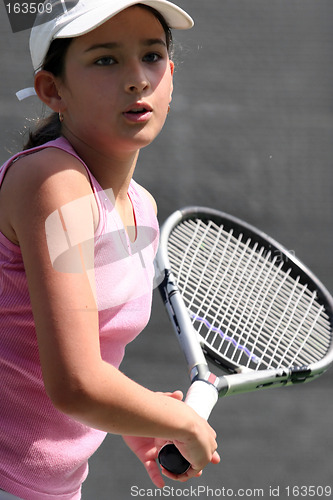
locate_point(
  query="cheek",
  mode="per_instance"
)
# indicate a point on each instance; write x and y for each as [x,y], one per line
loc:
[90,98]
[164,91]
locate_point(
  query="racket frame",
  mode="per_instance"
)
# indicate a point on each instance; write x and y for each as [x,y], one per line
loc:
[206,387]
[193,346]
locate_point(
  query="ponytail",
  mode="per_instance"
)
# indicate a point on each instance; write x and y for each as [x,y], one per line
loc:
[48,129]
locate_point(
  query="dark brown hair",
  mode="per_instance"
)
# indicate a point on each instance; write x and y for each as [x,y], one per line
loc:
[49,128]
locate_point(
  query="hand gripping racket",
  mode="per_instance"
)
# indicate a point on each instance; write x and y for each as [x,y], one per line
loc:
[236,296]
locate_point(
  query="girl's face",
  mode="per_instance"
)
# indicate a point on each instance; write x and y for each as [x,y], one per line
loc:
[118,83]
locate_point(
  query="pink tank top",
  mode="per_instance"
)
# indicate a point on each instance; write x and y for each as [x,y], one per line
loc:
[44,453]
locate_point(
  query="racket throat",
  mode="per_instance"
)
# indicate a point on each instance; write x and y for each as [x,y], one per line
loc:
[201,373]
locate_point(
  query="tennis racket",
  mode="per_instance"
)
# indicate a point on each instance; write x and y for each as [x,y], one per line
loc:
[237,297]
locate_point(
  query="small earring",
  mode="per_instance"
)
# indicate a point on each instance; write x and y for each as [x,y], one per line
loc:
[169,109]
[61,117]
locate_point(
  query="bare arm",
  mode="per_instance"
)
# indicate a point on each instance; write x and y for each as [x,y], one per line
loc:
[76,378]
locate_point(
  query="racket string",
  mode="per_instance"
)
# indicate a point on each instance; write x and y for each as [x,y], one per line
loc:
[231,289]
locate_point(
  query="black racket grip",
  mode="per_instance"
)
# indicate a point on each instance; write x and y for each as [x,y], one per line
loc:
[172,460]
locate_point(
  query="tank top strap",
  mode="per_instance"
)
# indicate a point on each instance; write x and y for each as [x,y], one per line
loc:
[63,144]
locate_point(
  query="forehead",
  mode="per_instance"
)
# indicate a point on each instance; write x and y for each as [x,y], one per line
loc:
[132,23]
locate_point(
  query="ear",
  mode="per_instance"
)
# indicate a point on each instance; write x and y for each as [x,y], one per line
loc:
[172,69]
[47,88]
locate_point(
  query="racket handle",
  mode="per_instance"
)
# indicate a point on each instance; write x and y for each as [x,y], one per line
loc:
[172,460]
[202,398]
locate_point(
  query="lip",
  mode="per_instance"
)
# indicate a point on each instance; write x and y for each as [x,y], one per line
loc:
[134,114]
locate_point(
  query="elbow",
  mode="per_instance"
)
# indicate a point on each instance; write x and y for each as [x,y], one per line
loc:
[71,398]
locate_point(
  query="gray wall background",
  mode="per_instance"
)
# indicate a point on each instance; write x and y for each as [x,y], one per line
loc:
[249,133]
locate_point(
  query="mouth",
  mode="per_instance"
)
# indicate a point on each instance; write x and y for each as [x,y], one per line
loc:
[138,113]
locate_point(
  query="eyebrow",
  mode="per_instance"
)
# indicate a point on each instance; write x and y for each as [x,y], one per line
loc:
[115,45]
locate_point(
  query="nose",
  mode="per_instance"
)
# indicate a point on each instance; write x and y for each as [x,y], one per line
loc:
[136,79]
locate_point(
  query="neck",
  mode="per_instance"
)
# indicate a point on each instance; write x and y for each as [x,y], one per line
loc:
[111,170]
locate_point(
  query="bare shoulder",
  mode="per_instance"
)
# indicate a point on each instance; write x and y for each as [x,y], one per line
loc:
[150,197]
[37,184]
[49,165]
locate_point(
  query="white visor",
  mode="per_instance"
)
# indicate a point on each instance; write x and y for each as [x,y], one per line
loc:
[85,16]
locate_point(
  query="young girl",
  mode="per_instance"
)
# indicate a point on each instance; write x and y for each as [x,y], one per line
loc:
[77,243]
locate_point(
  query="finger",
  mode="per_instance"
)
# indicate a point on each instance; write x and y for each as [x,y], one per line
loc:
[194,473]
[177,395]
[182,478]
[154,473]
[215,458]
[191,473]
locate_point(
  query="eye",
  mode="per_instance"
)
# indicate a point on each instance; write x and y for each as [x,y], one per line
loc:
[152,57]
[105,61]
